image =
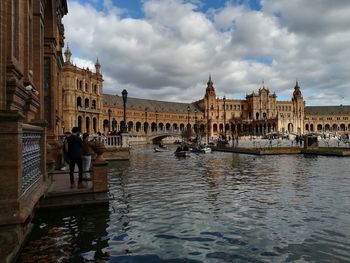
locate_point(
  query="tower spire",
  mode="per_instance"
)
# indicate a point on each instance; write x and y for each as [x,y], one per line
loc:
[98,66]
[68,54]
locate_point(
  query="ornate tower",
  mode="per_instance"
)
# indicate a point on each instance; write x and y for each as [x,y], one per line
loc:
[98,67]
[298,109]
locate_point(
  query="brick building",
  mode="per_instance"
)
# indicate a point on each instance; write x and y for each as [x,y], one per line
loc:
[86,106]
[31,41]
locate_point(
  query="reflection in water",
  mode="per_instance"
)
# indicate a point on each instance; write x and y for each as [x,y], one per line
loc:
[218,207]
[69,235]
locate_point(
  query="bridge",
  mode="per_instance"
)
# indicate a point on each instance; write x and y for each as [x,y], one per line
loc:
[153,136]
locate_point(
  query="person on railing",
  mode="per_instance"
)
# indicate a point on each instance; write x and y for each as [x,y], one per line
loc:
[75,145]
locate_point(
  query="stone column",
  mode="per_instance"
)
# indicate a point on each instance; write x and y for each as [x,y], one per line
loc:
[99,175]
[125,139]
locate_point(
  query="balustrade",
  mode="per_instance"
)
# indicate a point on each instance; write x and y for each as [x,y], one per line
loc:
[31,159]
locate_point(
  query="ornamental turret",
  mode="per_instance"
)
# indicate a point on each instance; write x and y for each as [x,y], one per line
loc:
[68,54]
[98,67]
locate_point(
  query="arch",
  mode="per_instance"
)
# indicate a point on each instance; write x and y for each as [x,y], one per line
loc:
[182,127]
[319,127]
[105,126]
[273,126]
[290,127]
[86,103]
[153,126]
[307,127]
[94,124]
[249,115]
[138,126]
[188,126]
[167,127]
[227,127]
[250,127]
[175,127]
[130,126]
[87,124]
[327,127]
[161,126]
[221,127]
[264,116]
[114,124]
[93,105]
[257,116]
[79,103]
[342,127]
[311,127]
[334,127]
[80,122]
[215,127]
[145,127]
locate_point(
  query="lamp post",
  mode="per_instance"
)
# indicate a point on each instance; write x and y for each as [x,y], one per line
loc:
[125,96]
[195,122]
[188,117]
[109,119]
[224,117]
[146,124]
[156,121]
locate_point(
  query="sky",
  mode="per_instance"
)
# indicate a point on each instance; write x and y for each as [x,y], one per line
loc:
[166,49]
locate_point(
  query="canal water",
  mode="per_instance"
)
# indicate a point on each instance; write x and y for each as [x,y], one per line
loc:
[217,207]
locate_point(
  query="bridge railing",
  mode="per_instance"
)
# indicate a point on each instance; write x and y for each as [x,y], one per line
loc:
[154,133]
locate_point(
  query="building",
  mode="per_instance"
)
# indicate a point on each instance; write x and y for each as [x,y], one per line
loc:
[81,97]
[86,106]
[31,41]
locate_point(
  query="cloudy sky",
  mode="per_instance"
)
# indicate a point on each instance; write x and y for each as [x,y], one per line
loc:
[166,49]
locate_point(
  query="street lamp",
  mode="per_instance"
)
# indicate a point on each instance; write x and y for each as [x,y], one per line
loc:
[224,117]
[195,121]
[125,96]
[188,117]
[146,124]
[109,119]
[156,120]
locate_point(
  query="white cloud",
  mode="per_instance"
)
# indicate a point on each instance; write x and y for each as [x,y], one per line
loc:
[169,54]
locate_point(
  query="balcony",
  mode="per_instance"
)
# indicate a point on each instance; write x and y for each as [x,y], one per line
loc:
[89,110]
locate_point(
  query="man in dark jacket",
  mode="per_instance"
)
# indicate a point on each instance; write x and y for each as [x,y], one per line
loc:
[75,145]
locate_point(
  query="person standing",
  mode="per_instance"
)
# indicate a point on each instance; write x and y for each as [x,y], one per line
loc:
[87,153]
[75,145]
[65,151]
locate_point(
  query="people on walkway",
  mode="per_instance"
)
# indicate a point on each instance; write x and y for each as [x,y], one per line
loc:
[86,156]
[75,145]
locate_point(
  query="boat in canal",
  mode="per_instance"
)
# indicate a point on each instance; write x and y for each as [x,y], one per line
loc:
[201,149]
[160,149]
[182,153]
